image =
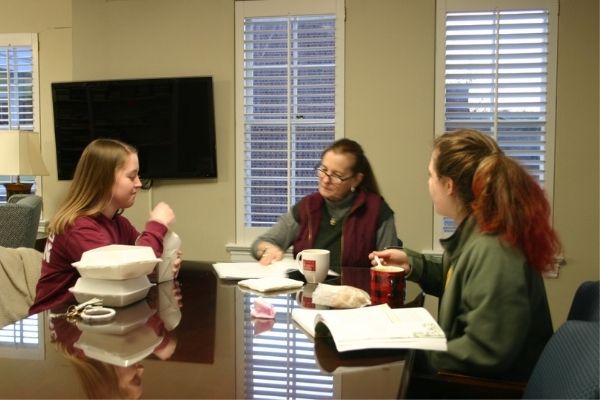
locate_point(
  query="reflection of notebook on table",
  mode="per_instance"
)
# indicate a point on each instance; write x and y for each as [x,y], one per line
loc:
[248,270]
[331,361]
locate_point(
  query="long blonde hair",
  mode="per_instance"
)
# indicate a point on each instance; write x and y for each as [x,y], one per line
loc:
[99,380]
[92,184]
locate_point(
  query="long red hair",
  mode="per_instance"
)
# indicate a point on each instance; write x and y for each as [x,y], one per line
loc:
[503,197]
[508,201]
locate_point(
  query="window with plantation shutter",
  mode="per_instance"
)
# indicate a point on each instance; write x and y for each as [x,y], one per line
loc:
[279,361]
[18,88]
[289,86]
[496,73]
[23,339]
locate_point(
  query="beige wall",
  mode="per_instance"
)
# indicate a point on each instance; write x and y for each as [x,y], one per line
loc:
[52,21]
[159,38]
[576,173]
[389,103]
[389,106]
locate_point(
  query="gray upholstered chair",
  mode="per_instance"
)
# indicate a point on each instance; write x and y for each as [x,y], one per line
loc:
[19,221]
[568,366]
[586,302]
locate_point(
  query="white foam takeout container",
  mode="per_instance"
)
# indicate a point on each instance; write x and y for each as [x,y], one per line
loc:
[112,293]
[126,320]
[117,262]
[121,350]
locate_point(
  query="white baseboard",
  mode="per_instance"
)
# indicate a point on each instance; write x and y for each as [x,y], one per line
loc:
[239,253]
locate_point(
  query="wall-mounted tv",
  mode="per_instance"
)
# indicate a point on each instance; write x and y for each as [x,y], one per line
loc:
[169,120]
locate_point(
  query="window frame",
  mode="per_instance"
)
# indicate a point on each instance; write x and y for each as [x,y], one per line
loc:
[444,6]
[24,339]
[28,39]
[273,8]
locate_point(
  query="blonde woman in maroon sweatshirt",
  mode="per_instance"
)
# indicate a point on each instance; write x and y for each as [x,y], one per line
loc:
[105,183]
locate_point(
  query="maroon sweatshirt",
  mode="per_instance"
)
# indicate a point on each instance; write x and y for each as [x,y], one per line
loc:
[86,233]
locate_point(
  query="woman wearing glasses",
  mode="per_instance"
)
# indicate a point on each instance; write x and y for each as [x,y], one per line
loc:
[347,216]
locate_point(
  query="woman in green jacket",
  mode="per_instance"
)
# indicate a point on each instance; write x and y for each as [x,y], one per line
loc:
[492,300]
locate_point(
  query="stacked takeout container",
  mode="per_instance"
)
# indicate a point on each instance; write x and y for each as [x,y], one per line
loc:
[116,274]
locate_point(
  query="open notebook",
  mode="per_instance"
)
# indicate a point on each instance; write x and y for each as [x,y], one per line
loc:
[374,327]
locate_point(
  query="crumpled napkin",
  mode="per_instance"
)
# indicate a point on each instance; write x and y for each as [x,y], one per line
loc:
[270,284]
[262,309]
[262,325]
[263,316]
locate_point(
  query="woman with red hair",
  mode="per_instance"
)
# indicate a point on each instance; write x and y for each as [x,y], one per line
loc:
[492,300]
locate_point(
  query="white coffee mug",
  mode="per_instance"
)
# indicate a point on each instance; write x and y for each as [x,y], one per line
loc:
[313,264]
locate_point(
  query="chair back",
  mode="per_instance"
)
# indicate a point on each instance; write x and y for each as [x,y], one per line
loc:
[586,302]
[568,366]
[19,221]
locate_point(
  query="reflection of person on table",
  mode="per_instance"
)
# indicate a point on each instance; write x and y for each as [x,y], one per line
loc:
[100,380]
[493,306]
[105,183]
[105,380]
[347,216]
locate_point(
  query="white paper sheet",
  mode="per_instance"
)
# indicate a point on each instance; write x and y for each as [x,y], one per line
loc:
[248,270]
[270,284]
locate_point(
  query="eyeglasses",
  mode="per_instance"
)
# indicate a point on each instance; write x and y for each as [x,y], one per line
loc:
[335,179]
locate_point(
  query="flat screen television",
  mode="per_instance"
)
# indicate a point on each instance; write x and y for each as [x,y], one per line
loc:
[169,120]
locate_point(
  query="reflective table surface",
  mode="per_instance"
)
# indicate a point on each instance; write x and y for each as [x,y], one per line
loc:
[194,338]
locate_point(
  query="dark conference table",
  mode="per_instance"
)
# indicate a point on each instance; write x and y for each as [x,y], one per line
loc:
[194,339]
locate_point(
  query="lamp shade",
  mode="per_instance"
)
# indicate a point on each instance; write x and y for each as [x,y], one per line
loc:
[20,154]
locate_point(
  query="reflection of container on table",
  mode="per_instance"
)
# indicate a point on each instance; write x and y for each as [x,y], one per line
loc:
[126,320]
[121,350]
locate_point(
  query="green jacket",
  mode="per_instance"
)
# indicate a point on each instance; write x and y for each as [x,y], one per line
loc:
[493,308]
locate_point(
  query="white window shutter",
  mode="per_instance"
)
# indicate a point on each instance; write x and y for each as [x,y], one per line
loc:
[498,77]
[24,339]
[288,107]
[19,89]
[289,110]
[280,363]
